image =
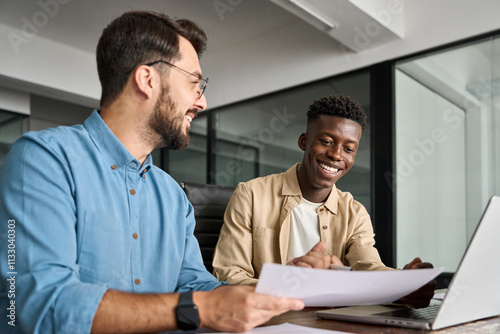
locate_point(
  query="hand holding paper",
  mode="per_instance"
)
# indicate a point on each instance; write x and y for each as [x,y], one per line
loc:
[422,296]
[324,287]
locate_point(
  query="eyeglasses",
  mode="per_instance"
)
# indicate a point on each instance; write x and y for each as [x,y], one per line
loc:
[203,82]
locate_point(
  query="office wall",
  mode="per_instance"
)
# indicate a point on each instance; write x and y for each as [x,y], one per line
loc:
[44,67]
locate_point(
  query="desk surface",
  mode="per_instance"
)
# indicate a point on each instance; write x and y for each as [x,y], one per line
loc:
[307,317]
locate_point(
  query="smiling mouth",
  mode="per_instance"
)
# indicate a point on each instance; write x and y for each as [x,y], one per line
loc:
[328,168]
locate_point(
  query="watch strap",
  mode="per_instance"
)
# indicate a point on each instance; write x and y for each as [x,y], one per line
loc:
[186,312]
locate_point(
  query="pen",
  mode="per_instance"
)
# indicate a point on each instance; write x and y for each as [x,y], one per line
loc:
[337,267]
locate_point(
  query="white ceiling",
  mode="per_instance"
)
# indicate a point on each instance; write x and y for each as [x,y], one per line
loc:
[79,23]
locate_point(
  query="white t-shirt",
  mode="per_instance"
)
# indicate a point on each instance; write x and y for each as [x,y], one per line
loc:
[304,232]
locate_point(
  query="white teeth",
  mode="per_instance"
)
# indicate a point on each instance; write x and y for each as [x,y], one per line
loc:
[328,168]
[189,118]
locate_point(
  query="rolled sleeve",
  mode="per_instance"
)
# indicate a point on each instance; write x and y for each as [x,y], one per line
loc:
[361,253]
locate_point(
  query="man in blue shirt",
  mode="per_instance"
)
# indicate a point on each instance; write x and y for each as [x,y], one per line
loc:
[94,237]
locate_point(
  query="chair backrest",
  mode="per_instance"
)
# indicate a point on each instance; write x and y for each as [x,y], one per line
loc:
[209,202]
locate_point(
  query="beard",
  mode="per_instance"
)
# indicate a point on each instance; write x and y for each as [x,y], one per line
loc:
[166,125]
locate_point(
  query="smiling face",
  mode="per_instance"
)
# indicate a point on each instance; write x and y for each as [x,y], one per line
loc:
[330,145]
[178,102]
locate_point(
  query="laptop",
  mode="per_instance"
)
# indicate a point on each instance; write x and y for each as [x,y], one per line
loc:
[474,292]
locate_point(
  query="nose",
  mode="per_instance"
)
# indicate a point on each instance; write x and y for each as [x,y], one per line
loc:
[201,103]
[335,152]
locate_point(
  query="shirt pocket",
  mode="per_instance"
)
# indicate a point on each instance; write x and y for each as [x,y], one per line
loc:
[265,247]
[103,253]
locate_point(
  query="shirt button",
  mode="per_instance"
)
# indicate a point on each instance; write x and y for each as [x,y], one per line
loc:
[137,281]
[135,235]
[113,167]
[322,209]
[325,227]
[132,191]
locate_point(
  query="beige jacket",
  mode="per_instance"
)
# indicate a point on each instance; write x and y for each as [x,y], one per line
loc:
[257,227]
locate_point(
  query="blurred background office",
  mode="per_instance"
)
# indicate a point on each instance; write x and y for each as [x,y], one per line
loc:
[426,72]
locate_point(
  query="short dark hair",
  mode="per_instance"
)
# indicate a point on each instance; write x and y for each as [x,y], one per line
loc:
[136,38]
[337,105]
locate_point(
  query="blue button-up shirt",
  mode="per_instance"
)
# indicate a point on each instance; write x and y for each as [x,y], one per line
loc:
[80,215]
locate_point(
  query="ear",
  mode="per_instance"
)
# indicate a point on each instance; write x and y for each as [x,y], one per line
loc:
[145,80]
[302,141]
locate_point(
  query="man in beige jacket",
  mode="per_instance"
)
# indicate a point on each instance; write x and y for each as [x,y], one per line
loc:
[299,217]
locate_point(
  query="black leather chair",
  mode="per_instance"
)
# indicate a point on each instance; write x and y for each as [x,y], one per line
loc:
[209,202]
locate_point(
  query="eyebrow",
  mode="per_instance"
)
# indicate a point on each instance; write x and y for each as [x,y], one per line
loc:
[333,136]
[196,73]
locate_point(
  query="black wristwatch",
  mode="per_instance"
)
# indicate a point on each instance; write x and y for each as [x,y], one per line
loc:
[186,312]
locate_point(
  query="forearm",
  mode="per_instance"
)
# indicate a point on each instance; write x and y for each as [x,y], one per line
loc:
[361,253]
[242,280]
[226,308]
[124,312]
[233,275]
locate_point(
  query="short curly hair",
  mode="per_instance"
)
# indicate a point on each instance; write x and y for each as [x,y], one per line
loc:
[337,105]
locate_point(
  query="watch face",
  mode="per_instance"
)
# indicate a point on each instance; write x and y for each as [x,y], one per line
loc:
[187,317]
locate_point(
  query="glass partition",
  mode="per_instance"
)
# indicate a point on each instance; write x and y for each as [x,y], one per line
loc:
[447,149]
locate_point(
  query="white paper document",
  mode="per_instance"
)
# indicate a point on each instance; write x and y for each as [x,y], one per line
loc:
[287,328]
[326,287]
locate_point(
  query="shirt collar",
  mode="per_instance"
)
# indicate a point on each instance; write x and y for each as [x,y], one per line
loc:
[291,183]
[291,188]
[109,145]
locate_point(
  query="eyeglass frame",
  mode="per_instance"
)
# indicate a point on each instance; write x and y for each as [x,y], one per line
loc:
[203,82]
